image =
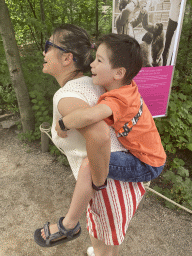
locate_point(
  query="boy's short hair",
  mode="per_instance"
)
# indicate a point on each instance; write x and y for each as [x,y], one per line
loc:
[125,52]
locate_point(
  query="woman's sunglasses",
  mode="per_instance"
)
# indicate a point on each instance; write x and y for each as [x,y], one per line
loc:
[48,44]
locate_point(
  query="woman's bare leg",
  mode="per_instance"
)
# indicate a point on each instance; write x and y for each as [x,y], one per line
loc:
[101,249]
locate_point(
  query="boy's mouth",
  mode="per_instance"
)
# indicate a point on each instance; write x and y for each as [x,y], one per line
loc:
[93,74]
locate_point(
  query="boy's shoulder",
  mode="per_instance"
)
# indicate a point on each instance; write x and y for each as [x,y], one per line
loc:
[126,95]
[124,91]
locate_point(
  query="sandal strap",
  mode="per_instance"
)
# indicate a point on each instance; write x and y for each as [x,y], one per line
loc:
[50,237]
[62,231]
[68,233]
[46,230]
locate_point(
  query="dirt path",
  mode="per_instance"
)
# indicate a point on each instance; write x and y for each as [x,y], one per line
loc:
[35,189]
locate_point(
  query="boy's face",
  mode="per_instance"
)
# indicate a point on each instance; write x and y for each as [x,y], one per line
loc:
[102,72]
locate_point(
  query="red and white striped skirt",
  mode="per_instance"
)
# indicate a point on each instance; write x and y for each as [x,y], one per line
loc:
[110,210]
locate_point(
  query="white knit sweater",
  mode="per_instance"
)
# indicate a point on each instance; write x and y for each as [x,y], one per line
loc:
[74,145]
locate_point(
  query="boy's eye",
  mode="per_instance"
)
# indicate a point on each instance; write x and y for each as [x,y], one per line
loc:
[99,60]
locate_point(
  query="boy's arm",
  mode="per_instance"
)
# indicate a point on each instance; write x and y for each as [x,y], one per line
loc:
[86,116]
[98,141]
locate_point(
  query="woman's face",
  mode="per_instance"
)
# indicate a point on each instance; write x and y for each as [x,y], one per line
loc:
[52,61]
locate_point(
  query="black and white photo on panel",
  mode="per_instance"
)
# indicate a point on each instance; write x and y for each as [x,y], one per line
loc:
[153,23]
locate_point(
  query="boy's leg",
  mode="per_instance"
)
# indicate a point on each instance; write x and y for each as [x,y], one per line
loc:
[98,146]
[82,195]
[101,249]
[126,167]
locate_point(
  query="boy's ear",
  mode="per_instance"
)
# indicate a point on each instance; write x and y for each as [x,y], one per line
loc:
[67,58]
[120,73]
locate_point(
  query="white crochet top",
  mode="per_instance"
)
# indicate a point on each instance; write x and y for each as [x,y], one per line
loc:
[74,145]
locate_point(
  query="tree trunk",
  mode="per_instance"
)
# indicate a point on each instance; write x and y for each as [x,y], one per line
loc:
[13,60]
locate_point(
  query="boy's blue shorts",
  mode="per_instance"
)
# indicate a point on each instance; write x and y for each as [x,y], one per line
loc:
[126,167]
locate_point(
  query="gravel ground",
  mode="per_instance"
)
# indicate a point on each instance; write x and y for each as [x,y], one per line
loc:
[36,189]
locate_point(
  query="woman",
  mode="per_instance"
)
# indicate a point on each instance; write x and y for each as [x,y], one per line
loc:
[67,56]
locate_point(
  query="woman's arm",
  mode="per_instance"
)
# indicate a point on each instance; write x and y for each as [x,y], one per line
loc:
[98,141]
[86,116]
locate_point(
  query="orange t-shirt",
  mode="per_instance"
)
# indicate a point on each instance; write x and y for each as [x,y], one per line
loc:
[143,141]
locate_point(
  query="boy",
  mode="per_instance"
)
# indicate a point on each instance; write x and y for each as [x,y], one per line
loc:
[122,107]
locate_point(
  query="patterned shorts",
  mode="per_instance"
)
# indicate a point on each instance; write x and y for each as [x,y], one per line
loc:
[111,209]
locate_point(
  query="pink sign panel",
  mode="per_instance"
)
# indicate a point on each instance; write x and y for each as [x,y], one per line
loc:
[154,85]
[156,25]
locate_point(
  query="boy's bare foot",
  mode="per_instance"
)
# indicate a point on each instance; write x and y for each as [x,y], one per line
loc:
[55,234]
[54,229]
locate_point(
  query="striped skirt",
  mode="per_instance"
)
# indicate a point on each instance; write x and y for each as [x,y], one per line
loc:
[110,210]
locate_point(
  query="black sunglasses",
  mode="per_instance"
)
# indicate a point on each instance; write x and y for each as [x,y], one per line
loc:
[48,44]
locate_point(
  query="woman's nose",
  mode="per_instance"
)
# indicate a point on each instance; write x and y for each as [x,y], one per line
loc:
[92,64]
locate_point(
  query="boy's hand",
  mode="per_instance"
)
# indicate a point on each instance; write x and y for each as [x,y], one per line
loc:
[60,133]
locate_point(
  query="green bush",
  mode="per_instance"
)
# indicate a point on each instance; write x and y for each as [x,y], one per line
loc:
[8,100]
[41,88]
[175,128]
[178,185]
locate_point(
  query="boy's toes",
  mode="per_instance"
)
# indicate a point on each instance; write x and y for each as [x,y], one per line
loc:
[43,234]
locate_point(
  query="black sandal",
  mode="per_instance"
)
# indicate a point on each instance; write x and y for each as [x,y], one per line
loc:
[69,234]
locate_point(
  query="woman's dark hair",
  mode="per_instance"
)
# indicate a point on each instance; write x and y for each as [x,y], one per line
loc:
[75,40]
[125,52]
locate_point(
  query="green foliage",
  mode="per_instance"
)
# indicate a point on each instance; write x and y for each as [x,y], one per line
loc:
[178,185]
[8,99]
[56,152]
[184,57]
[175,128]
[42,108]
[34,22]
[105,19]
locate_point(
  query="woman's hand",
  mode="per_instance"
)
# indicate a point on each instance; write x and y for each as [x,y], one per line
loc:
[60,133]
